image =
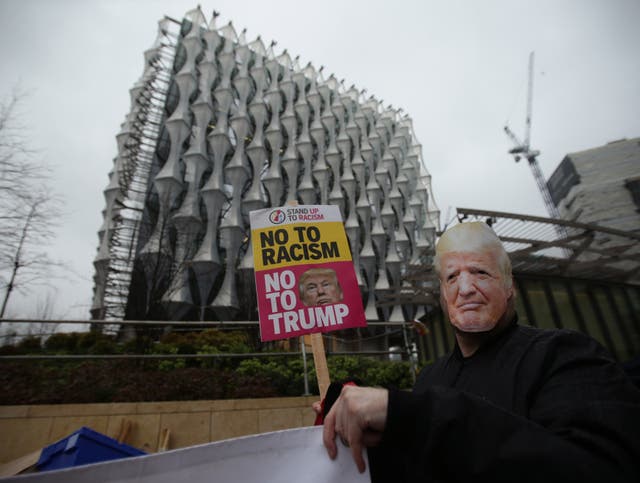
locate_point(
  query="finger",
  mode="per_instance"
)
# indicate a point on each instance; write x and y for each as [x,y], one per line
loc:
[355,438]
[356,451]
[329,434]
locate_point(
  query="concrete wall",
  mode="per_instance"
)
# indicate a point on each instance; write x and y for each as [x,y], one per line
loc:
[25,429]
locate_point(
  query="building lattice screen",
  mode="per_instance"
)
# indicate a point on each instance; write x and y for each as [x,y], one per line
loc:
[220,126]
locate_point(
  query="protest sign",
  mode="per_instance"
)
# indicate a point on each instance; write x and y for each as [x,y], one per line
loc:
[305,278]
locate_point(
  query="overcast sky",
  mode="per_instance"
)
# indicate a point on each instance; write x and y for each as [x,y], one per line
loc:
[458,68]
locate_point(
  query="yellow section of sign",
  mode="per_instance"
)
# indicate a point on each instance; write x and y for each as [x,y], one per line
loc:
[300,243]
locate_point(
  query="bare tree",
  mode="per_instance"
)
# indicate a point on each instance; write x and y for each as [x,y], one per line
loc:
[28,209]
[44,310]
[17,168]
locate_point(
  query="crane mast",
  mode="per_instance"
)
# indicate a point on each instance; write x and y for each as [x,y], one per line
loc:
[523,150]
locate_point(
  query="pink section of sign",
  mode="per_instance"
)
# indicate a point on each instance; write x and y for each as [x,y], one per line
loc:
[304,299]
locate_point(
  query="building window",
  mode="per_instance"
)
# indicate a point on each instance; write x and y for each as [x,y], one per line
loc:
[633,185]
[521,310]
[621,344]
[539,304]
[568,318]
[627,317]
[593,326]
[562,180]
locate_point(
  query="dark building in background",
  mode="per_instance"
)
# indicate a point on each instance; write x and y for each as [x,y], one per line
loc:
[600,185]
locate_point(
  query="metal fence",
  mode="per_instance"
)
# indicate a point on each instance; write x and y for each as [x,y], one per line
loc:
[394,354]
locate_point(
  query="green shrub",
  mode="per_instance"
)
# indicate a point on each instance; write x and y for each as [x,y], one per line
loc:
[284,375]
[97,343]
[51,381]
[63,343]
[30,345]
[211,340]
[371,372]
[141,344]
[167,365]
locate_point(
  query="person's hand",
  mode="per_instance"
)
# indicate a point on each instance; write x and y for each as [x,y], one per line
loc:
[317,407]
[358,416]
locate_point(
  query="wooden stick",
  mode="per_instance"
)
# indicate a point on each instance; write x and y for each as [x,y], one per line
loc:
[320,362]
[319,356]
[125,428]
[20,465]
[165,434]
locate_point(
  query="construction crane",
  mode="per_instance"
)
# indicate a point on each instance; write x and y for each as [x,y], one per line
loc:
[523,150]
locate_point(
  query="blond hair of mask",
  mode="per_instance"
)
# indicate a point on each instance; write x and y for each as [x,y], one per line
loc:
[473,236]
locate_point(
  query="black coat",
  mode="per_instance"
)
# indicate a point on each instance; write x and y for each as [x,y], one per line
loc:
[529,405]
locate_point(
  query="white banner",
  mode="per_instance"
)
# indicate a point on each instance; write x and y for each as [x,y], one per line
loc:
[294,455]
